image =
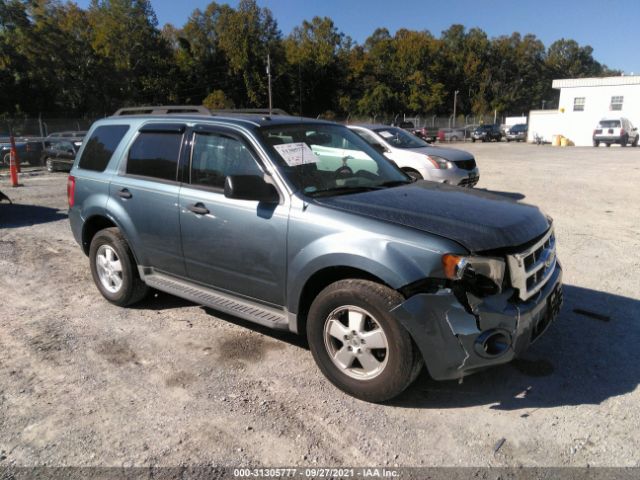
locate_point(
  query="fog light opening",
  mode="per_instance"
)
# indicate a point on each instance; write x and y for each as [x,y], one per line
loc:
[492,344]
[496,345]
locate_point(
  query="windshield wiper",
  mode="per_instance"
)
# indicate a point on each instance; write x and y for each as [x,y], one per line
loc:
[395,183]
[342,191]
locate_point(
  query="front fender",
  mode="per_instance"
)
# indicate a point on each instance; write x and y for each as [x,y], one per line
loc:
[395,263]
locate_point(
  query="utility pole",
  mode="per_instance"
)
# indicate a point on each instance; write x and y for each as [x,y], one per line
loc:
[455,104]
[269,77]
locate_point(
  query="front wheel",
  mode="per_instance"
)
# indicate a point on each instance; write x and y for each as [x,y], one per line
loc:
[356,342]
[114,269]
[414,174]
[635,141]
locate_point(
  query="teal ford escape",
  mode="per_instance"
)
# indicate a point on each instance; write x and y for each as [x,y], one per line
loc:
[300,225]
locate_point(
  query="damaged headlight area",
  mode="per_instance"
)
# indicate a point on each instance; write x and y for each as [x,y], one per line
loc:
[480,276]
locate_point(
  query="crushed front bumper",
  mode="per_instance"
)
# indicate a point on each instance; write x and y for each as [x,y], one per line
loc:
[453,342]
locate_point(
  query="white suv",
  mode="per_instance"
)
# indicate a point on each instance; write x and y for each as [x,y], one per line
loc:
[615,130]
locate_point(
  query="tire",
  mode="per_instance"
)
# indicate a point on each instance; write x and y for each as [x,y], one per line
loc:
[473,140]
[363,307]
[453,139]
[596,143]
[6,160]
[608,145]
[118,280]
[414,174]
[624,140]
[50,166]
[635,141]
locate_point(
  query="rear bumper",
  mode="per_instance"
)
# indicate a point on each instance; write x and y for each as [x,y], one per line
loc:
[607,139]
[454,342]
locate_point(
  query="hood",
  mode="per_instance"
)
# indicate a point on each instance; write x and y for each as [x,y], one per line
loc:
[451,154]
[477,220]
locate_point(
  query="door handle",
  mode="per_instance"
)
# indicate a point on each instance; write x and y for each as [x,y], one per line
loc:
[198,208]
[124,193]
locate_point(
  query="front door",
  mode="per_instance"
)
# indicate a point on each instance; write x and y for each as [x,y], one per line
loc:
[233,245]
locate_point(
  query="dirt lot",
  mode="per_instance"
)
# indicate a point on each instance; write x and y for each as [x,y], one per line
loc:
[169,382]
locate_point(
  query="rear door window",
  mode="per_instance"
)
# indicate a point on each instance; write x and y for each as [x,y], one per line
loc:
[100,146]
[155,154]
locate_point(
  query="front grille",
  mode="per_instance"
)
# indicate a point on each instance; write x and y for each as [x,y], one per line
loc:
[468,182]
[531,269]
[466,164]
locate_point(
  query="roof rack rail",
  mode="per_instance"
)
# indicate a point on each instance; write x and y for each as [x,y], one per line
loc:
[249,111]
[164,110]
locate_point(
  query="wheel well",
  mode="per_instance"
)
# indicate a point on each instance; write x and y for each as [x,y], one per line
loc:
[92,226]
[322,279]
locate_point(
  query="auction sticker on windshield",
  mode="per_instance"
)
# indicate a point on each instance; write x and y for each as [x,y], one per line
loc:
[296,153]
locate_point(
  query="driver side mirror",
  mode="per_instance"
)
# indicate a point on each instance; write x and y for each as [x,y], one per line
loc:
[250,187]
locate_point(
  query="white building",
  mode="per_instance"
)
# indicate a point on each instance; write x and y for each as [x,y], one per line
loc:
[583,103]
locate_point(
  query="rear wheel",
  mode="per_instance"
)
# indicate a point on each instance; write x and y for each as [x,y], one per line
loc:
[596,143]
[358,345]
[608,145]
[114,269]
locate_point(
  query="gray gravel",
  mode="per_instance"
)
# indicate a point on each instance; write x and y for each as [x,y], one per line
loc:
[171,383]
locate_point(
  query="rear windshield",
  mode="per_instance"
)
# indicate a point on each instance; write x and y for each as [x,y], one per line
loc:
[610,124]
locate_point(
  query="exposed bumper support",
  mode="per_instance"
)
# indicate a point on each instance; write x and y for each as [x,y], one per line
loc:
[455,343]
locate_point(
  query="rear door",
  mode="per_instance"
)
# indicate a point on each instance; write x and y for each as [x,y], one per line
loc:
[238,246]
[144,196]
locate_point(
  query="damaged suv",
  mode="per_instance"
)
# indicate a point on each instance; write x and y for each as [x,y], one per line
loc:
[301,225]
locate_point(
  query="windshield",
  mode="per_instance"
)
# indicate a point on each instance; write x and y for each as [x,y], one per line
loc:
[330,160]
[398,138]
[610,124]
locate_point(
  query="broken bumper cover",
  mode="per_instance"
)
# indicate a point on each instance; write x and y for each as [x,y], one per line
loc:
[455,343]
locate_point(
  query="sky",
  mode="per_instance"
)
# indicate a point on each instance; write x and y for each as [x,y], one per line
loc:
[611,27]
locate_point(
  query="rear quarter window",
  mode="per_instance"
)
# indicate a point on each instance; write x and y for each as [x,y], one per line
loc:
[100,146]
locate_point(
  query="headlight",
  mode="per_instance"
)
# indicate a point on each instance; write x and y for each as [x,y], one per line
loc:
[479,275]
[439,162]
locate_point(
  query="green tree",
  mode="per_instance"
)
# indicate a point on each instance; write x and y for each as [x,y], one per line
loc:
[245,36]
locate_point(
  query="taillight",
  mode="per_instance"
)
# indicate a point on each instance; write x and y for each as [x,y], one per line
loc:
[71,190]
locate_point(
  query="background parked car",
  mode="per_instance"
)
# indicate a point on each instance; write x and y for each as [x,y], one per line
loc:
[418,159]
[486,133]
[517,133]
[29,151]
[450,134]
[59,155]
[68,134]
[428,134]
[615,130]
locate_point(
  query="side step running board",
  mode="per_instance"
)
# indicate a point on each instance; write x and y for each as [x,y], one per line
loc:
[224,302]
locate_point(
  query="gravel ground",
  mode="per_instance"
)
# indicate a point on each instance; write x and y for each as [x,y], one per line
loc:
[169,382]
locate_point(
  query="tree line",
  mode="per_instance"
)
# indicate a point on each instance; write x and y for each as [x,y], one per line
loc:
[59,58]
